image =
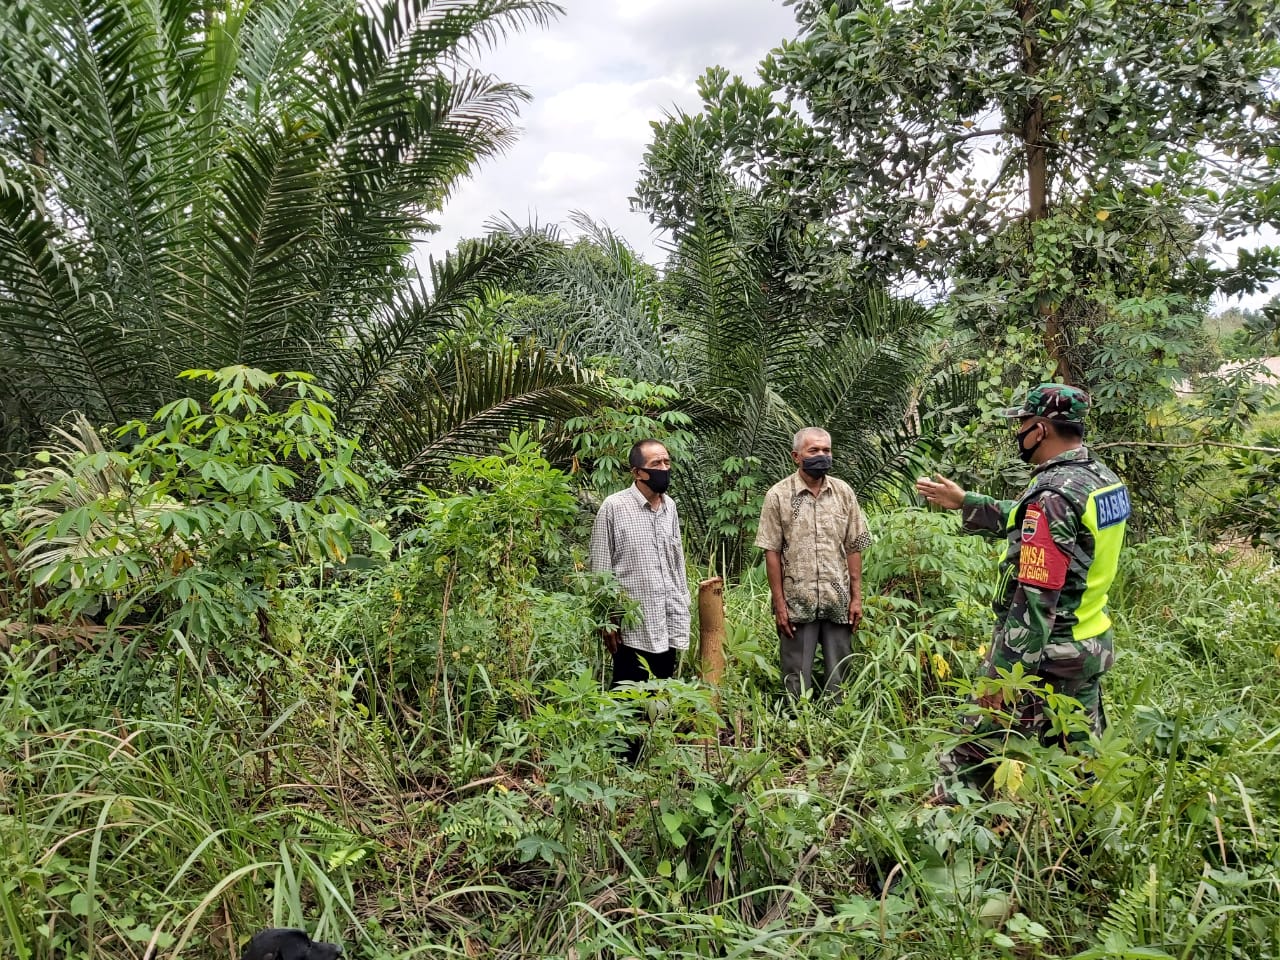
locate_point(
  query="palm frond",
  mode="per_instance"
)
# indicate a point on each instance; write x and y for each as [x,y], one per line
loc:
[269,47]
[194,186]
[866,378]
[49,328]
[79,475]
[265,224]
[466,403]
[722,313]
[385,353]
[606,298]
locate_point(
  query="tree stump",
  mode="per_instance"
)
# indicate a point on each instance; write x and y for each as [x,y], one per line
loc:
[711,630]
[711,642]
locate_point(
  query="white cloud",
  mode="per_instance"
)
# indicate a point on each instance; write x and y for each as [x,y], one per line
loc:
[598,76]
[616,113]
[560,173]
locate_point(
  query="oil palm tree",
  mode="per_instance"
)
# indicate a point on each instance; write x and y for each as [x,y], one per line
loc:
[763,359]
[592,296]
[187,184]
[754,354]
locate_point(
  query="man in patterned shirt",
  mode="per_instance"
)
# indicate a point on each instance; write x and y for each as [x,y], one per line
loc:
[813,533]
[636,537]
[1064,536]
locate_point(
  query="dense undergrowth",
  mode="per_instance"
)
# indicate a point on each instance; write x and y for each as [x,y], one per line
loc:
[414,755]
[251,676]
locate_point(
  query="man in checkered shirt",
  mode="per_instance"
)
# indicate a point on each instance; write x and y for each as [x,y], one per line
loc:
[636,537]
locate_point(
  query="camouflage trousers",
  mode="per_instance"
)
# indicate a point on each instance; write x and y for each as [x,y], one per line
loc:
[984,736]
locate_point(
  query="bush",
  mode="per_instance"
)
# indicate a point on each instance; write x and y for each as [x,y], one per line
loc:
[194,522]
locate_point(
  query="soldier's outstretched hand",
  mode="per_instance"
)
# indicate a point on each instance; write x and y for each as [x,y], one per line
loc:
[941,492]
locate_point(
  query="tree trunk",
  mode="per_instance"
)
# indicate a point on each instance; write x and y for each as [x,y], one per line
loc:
[711,643]
[1034,140]
[711,630]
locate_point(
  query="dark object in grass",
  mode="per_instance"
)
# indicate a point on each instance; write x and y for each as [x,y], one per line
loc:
[279,943]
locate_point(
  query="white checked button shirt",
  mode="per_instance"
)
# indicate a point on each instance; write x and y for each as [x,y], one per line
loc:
[641,547]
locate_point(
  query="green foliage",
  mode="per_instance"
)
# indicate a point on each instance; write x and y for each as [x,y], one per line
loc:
[594,298]
[462,398]
[185,188]
[1044,166]
[1072,100]
[972,443]
[405,744]
[484,600]
[922,557]
[205,511]
[1244,334]
[506,520]
[1111,319]
[733,513]
[1168,446]
[1262,327]
[602,441]
[771,325]
[1253,508]
[500,820]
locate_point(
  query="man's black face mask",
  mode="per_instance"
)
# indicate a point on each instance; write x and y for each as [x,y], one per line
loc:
[1025,453]
[659,480]
[817,466]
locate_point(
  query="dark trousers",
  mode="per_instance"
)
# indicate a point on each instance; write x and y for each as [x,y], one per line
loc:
[972,760]
[636,666]
[798,652]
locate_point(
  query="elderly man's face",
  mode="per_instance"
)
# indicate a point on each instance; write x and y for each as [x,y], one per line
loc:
[656,472]
[656,457]
[813,445]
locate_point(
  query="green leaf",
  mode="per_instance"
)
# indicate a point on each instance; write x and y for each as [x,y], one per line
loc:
[82,905]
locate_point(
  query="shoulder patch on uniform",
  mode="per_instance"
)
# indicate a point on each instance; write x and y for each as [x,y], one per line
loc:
[1030,522]
[1041,562]
[1113,506]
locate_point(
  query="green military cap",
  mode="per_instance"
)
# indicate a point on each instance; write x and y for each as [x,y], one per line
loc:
[1053,401]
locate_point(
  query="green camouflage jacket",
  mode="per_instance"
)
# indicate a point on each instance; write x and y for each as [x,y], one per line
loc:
[1064,536]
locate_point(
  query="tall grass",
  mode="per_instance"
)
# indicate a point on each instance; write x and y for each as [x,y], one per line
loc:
[317,787]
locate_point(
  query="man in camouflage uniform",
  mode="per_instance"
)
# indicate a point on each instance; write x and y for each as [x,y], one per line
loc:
[1064,538]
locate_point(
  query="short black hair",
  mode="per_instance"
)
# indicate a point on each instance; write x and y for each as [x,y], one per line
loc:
[1068,429]
[636,457]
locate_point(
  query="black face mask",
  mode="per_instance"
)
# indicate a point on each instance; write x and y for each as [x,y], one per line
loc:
[816,466]
[659,480]
[1026,453]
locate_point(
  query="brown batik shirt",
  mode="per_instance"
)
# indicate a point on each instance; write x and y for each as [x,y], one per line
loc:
[813,536]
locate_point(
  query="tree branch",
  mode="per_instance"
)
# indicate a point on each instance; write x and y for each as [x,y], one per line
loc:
[1184,446]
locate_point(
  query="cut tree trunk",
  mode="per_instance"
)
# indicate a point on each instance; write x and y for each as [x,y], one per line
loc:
[711,630]
[711,642]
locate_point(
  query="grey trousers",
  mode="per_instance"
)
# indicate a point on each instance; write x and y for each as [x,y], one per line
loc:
[798,652]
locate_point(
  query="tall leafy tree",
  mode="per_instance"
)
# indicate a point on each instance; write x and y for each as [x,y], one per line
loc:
[188,185]
[1069,157]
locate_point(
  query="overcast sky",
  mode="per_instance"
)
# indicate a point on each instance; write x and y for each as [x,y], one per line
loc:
[598,76]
